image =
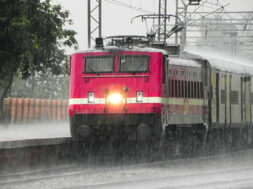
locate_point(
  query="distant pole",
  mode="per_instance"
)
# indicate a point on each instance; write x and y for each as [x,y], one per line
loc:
[176,22]
[159,21]
[89,16]
[165,21]
[162,24]
[100,18]
[94,20]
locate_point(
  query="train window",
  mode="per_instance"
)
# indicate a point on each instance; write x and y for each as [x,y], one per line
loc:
[171,88]
[99,64]
[195,90]
[134,63]
[192,90]
[194,74]
[182,89]
[185,89]
[201,90]
[234,97]
[223,97]
[189,89]
[179,88]
[176,88]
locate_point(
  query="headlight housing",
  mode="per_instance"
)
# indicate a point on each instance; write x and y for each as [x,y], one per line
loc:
[115,98]
[91,97]
[139,96]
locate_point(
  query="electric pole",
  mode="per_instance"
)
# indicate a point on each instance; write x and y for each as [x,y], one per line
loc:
[94,20]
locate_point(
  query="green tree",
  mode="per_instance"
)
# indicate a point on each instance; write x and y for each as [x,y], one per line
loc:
[31,34]
[44,85]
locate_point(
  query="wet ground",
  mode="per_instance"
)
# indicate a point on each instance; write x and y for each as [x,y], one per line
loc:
[100,170]
[214,172]
[34,131]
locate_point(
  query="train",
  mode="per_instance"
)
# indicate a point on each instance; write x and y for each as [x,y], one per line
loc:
[134,89]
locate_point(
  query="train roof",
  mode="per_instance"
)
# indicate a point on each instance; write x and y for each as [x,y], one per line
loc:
[114,48]
[232,66]
[184,62]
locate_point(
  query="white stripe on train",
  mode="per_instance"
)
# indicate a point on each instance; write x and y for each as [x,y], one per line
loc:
[147,100]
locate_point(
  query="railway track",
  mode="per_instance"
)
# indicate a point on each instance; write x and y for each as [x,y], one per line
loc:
[194,181]
[161,174]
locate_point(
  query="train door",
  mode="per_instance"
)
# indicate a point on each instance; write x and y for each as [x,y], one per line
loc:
[217,94]
[229,112]
[226,100]
[222,99]
[251,100]
[243,96]
[247,100]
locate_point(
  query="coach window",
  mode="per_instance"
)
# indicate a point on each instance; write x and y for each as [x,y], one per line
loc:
[171,88]
[185,89]
[179,88]
[182,73]
[198,91]
[182,89]
[99,64]
[189,89]
[192,90]
[194,74]
[134,63]
[195,90]
[201,90]
[176,90]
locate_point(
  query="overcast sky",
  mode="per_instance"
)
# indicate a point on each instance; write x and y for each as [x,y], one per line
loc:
[116,19]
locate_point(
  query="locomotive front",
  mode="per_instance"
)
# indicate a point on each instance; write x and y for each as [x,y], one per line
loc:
[117,91]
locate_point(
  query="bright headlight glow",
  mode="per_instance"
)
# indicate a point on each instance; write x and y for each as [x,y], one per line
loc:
[115,98]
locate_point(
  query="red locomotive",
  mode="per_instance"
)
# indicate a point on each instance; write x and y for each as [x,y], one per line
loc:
[116,87]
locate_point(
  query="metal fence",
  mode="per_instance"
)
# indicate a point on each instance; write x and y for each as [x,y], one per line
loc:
[24,110]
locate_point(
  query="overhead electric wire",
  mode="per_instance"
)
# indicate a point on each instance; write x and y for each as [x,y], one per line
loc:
[195,10]
[128,6]
[186,24]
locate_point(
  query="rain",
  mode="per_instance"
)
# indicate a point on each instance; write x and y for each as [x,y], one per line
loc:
[129,94]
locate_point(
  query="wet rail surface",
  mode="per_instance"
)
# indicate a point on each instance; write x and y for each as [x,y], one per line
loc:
[232,170]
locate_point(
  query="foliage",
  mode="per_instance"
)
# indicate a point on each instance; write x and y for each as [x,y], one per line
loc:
[31,34]
[44,85]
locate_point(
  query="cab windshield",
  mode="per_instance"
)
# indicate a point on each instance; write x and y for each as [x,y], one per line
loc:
[133,64]
[99,64]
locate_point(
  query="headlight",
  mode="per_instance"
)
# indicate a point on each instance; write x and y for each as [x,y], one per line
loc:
[115,98]
[139,96]
[91,97]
